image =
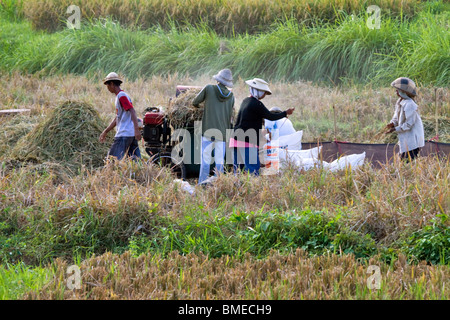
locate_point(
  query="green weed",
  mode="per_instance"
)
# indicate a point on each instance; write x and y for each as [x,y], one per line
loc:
[431,243]
[19,279]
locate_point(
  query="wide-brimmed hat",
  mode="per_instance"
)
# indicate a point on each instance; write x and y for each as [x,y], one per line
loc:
[224,77]
[405,84]
[112,76]
[275,109]
[259,84]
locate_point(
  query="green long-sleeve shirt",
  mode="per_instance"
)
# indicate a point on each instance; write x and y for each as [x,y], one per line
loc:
[218,110]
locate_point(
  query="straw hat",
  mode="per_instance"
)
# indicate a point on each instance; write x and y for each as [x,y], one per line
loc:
[275,109]
[224,77]
[112,76]
[405,84]
[259,84]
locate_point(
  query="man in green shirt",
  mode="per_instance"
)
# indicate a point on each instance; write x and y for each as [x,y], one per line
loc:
[217,114]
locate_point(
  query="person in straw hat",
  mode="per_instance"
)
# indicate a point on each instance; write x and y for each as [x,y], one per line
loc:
[126,122]
[406,121]
[217,114]
[252,112]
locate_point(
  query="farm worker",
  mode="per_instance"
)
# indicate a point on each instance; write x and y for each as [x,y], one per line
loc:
[217,115]
[406,121]
[245,140]
[278,128]
[125,121]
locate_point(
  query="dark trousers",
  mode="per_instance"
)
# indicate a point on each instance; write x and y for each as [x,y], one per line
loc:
[411,154]
[125,146]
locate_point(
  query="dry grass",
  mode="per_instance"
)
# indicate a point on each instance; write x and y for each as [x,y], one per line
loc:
[118,199]
[293,276]
[387,202]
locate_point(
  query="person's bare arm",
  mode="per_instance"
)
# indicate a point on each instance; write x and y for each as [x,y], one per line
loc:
[137,132]
[108,129]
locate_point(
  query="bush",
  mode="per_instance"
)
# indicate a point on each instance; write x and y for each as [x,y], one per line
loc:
[351,242]
[256,234]
[432,243]
[311,231]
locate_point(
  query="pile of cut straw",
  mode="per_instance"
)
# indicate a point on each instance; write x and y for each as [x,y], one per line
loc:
[181,113]
[68,135]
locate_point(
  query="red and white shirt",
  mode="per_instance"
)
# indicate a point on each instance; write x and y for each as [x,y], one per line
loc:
[124,124]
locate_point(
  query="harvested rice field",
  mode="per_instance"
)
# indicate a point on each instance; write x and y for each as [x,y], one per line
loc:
[77,225]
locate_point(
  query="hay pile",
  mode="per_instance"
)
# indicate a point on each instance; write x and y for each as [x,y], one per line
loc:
[181,113]
[68,135]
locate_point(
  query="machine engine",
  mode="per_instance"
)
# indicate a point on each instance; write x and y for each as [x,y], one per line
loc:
[156,132]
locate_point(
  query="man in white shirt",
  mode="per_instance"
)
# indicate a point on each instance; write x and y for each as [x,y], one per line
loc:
[126,122]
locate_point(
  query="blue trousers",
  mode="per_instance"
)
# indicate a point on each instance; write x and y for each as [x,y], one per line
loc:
[219,153]
[125,146]
[247,159]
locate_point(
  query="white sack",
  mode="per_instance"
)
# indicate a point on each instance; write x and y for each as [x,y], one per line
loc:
[185,186]
[292,155]
[354,161]
[291,141]
[307,163]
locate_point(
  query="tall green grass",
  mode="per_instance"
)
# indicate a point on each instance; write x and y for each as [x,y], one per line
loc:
[23,49]
[345,51]
[428,55]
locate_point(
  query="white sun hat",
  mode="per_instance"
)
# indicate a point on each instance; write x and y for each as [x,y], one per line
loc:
[259,84]
[112,76]
[224,77]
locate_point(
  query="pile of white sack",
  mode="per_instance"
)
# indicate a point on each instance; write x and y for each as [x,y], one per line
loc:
[289,152]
